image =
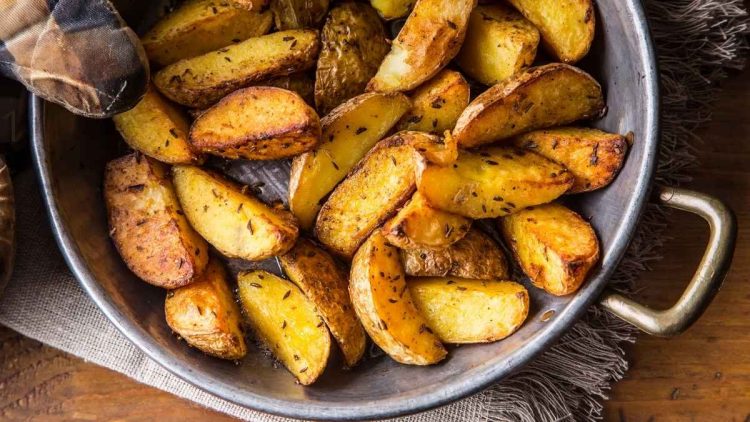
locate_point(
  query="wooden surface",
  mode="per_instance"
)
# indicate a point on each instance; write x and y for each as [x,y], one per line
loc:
[703,375]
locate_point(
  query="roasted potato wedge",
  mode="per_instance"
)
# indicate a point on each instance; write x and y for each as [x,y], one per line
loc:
[470,311]
[320,278]
[392,9]
[234,222]
[257,123]
[353,43]
[147,224]
[299,14]
[206,316]
[420,226]
[555,247]
[158,129]
[201,81]
[200,26]
[437,103]
[499,43]
[349,131]
[301,83]
[429,39]
[567,26]
[593,157]
[475,256]
[540,97]
[376,187]
[286,322]
[383,303]
[493,182]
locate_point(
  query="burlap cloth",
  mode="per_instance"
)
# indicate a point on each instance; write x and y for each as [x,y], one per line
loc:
[696,40]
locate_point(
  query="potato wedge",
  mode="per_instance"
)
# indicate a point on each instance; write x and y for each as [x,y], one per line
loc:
[550,95]
[475,256]
[234,222]
[555,247]
[493,182]
[376,187]
[199,26]
[158,129]
[201,81]
[383,303]
[429,39]
[320,278]
[353,43]
[257,123]
[392,9]
[349,131]
[420,226]
[470,311]
[301,83]
[147,224]
[299,14]
[499,43]
[286,322]
[206,316]
[437,103]
[593,157]
[567,26]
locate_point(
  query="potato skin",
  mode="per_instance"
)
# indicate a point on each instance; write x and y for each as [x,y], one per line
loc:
[593,157]
[437,103]
[206,316]
[475,256]
[299,14]
[493,182]
[301,83]
[545,96]
[418,225]
[158,129]
[286,322]
[201,81]
[383,303]
[429,39]
[555,247]
[233,221]
[326,285]
[257,123]
[392,9]
[567,26]
[200,26]
[353,43]
[499,43]
[462,311]
[147,225]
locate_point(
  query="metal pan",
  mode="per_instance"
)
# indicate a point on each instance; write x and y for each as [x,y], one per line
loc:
[70,153]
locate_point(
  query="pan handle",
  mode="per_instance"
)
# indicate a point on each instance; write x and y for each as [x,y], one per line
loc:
[707,279]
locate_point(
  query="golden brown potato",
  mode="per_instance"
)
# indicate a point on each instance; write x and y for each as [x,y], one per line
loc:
[147,224]
[200,26]
[326,285]
[158,129]
[383,303]
[555,247]
[299,14]
[470,311]
[301,83]
[392,9]
[567,26]
[353,43]
[429,39]
[493,182]
[593,157]
[233,221]
[254,5]
[286,322]
[373,191]
[201,81]
[257,123]
[206,316]
[349,131]
[420,226]
[437,103]
[499,43]
[475,256]
[540,97]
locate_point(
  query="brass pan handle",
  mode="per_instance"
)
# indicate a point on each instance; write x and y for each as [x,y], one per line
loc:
[707,279]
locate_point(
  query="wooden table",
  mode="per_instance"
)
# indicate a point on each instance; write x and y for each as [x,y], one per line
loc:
[703,375]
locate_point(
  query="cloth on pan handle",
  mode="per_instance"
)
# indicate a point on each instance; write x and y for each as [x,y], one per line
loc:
[76,53]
